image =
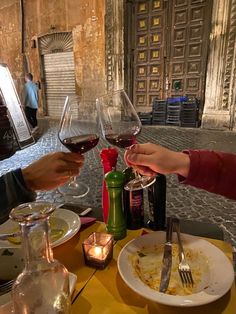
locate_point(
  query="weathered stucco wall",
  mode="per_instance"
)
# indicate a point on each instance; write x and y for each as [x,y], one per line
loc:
[42,17]
[10,37]
[89,50]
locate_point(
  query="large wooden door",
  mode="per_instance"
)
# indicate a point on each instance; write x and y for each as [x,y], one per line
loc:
[166,49]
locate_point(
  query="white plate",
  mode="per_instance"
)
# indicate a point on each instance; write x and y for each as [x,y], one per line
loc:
[216,282]
[64,219]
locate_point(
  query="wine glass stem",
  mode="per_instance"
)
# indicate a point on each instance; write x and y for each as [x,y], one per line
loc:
[73,182]
[137,175]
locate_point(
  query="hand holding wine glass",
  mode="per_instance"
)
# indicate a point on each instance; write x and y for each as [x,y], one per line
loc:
[78,132]
[120,125]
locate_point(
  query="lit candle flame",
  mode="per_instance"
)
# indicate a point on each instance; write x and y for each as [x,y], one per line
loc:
[97,251]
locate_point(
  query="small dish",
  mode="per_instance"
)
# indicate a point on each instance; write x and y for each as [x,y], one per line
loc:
[64,225]
[11,265]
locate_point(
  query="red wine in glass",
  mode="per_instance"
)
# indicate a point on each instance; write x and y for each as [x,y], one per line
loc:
[120,124]
[78,132]
[121,140]
[81,143]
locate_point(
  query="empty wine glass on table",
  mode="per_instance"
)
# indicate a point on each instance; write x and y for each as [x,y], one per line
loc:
[78,131]
[120,125]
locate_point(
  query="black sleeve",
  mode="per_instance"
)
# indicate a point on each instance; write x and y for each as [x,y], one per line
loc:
[13,192]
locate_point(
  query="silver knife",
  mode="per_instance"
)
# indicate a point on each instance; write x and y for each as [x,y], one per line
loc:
[167,257]
[5,236]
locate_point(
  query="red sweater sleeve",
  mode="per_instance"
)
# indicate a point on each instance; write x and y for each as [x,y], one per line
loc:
[212,171]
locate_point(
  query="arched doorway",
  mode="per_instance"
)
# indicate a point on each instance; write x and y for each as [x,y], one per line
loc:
[57,67]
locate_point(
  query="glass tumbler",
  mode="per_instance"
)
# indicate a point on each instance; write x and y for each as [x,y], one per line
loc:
[43,285]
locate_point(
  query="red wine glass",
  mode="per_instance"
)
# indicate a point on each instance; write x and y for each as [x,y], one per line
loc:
[120,125]
[78,131]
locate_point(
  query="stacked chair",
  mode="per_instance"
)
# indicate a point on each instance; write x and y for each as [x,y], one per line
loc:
[145,117]
[189,113]
[178,111]
[159,112]
[173,111]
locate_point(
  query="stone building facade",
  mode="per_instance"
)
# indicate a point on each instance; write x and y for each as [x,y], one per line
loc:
[94,31]
[27,28]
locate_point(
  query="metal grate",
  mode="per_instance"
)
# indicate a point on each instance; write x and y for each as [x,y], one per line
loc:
[59,80]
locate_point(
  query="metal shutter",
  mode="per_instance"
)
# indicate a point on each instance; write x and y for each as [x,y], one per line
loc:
[59,80]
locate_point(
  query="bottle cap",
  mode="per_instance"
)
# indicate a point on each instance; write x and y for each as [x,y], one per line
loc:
[109,155]
[129,174]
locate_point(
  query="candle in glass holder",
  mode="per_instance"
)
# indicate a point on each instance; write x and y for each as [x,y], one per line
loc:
[98,249]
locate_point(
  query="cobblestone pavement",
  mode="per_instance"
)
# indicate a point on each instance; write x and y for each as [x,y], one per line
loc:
[182,201]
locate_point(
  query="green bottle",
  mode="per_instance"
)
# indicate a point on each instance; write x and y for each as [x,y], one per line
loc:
[116,221]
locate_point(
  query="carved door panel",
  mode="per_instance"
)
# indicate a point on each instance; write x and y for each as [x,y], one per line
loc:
[148,52]
[189,31]
[168,50]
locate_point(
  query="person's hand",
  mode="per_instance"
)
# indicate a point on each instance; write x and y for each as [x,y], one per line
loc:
[52,170]
[150,159]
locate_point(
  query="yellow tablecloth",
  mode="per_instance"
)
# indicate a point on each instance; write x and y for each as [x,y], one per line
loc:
[104,292]
[70,254]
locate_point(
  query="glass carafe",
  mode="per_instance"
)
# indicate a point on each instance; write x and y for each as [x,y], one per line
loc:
[43,285]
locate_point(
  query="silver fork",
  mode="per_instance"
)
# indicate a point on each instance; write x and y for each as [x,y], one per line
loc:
[184,268]
[6,287]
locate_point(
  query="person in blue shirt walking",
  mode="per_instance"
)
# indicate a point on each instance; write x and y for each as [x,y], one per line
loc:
[30,102]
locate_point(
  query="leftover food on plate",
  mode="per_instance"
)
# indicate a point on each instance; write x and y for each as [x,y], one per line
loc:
[147,265]
[58,228]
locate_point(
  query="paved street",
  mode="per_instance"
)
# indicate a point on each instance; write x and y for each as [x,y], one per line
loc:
[182,201]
